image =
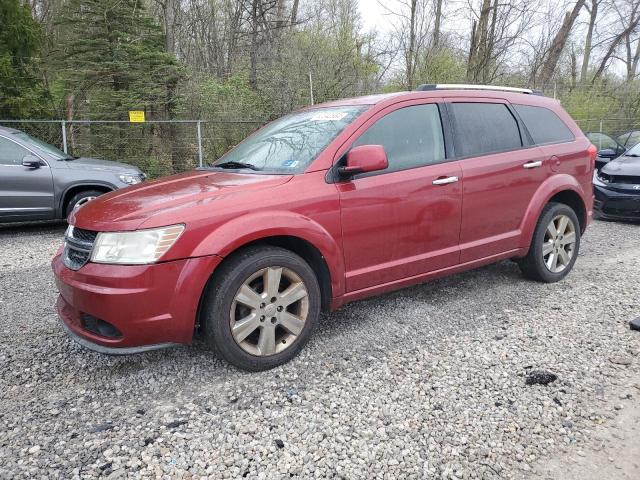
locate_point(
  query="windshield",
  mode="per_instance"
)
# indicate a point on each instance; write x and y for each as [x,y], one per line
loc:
[45,147]
[291,143]
[633,151]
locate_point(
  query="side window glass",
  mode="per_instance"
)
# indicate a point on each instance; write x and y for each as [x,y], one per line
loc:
[484,128]
[11,153]
[544,125]
[411,137]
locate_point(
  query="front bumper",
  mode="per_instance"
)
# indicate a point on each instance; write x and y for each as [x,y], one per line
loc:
[150,306]
[616,205]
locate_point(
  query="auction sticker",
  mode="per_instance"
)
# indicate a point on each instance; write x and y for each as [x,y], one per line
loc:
[328,116]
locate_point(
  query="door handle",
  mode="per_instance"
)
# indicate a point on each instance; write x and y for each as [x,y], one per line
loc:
[533,164]
[445,180]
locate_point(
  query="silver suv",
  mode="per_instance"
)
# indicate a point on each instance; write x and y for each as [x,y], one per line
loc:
[40,182]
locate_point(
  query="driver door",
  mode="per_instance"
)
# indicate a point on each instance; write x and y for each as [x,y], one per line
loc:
[403,221]
[25,193]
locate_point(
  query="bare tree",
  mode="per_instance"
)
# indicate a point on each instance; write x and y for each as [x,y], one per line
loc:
[559,41]
[588,41]
[629,20]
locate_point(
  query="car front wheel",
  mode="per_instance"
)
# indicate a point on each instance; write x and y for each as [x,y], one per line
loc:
[261,307]
[555,245]
[81,198]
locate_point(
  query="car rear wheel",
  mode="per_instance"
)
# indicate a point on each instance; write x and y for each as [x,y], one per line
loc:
[81,198]
[261,307]
[555,245]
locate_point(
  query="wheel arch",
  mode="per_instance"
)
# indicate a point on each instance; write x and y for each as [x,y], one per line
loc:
[296,233]
[559,188]
[71,190]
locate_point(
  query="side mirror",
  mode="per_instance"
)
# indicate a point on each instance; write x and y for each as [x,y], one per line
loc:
[31,161]
[607,153]
[363,159]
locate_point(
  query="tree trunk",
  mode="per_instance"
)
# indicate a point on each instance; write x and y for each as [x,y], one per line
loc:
[588,41]
[294,12]
[478,49]
[437,22]
[410,53]
[558,43]
[253,47]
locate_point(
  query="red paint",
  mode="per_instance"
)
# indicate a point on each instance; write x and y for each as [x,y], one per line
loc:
[365,159]
[376,232]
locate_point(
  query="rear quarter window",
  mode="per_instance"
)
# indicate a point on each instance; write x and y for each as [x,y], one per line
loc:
[544,125]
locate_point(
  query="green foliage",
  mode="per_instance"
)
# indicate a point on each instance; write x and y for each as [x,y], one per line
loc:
[111,58]
[21,91]
[442,66]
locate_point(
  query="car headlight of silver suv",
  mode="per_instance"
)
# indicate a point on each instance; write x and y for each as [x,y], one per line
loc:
[131,179]
[139,247]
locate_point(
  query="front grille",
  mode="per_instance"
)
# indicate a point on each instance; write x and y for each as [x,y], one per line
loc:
[77,247]
[625,179]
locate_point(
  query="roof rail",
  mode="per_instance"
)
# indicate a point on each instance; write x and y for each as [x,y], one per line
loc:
[463,86]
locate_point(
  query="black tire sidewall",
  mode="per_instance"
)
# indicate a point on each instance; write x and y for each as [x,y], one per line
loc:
[222,290]
[551,211]
[79,196]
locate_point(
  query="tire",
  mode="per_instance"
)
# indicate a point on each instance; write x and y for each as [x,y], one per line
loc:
[536,264]
[80,198]
[223,311]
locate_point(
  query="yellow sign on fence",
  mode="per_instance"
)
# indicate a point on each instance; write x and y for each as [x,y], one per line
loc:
[136,116]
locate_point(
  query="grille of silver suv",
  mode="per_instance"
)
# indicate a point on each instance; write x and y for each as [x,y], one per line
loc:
[77,247]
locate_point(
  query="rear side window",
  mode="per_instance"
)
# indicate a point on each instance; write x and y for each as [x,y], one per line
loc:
[483,128]
[411,137]
[544,125]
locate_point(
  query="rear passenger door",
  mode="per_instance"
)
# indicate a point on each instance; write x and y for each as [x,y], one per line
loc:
[501,170]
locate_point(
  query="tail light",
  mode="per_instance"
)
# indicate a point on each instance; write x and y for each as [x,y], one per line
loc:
[593,153]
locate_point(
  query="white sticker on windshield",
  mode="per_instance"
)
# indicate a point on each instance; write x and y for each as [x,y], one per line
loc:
[328,116]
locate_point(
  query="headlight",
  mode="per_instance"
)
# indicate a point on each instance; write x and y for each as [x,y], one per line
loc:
[131,179]
[600,179]
[142,246]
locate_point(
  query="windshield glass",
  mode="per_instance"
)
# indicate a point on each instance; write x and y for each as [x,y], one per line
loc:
[634,151]
[45,147]
[291,143]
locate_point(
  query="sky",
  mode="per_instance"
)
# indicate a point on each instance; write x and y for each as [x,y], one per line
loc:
[373,14]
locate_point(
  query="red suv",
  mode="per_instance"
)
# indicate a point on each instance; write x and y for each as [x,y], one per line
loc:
[333,203]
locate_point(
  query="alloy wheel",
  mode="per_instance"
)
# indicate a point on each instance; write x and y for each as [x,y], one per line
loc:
[269,311]
[559,243]
[83,201]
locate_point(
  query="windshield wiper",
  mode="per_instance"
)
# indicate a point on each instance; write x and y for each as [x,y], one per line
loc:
[233,164]
[632,155]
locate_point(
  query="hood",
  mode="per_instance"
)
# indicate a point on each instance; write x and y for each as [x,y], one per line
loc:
[86,163]
[173,197]
[623,166]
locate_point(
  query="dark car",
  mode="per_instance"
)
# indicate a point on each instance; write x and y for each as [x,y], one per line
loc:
[629,139]
[324,206]
[617,187]
[40,182]
[608,148]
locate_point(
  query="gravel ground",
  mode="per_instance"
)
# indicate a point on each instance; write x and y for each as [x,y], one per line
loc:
[427,382]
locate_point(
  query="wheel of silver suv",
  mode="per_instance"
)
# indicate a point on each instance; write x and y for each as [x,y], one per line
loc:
[260,307]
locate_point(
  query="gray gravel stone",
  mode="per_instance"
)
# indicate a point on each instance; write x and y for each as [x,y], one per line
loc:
[427,382]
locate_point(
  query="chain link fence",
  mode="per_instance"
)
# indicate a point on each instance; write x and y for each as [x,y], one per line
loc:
[164,147]
[160,147]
